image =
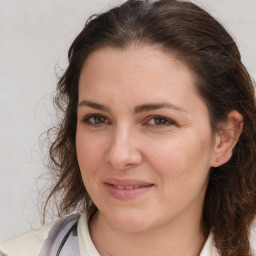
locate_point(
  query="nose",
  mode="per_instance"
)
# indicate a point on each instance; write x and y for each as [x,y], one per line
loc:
[124,152]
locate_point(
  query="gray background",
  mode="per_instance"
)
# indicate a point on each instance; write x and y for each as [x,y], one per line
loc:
[34,39]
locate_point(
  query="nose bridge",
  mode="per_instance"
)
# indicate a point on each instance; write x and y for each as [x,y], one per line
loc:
[123,151]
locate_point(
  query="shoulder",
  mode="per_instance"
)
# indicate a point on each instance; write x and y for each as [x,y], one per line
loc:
[28,244]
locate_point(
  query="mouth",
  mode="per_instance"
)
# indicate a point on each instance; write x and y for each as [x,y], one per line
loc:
[127,189]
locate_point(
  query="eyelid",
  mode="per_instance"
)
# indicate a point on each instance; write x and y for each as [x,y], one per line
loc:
[168,120]
[87,117]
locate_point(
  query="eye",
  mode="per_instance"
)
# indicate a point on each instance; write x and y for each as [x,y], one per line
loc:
[160,121]
[95,120]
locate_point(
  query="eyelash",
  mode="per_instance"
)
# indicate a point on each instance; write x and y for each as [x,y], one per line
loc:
[167,121]
[87,118]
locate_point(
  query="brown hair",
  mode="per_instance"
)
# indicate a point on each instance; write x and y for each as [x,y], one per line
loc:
[194,36]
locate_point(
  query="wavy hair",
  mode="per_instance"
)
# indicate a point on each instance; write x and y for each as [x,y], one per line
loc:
[195,37]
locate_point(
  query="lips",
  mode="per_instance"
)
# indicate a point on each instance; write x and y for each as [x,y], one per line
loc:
[126,183]
[127,188]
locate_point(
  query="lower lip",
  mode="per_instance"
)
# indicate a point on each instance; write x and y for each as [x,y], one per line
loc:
[126,194]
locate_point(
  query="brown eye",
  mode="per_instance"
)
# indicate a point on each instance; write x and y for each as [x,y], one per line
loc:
[159,121]
[95,120]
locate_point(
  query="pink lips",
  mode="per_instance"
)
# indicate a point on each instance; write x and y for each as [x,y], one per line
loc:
[127,188]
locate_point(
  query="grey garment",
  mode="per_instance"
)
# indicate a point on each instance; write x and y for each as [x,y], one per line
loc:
[62,239]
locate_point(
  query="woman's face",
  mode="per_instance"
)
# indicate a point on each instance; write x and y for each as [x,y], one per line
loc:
[144,141]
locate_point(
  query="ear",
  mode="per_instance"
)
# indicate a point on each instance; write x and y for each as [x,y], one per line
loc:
[226,138]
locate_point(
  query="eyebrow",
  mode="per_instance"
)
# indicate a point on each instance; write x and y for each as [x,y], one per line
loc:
[154,106]
[93,105]
[138,109]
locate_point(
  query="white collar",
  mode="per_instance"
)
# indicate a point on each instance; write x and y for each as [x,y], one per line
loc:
[209,249]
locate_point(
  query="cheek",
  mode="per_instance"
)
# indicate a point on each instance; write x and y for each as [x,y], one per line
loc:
[182,161]
[90,156]
[184,175]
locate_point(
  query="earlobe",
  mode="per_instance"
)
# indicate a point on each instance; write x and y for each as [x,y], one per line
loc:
[226,138]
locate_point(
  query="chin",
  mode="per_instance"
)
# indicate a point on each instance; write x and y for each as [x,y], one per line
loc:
[130,222]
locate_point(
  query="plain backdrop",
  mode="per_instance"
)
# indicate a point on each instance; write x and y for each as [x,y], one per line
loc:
[34,39]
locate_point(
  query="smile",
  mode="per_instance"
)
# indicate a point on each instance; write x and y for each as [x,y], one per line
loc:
[127,189]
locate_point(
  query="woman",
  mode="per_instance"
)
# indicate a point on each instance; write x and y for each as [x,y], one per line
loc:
[157,143]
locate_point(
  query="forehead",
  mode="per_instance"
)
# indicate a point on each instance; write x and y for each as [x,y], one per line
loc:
[139,64]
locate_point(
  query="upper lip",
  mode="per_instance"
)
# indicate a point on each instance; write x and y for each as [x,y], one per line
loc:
[127,182]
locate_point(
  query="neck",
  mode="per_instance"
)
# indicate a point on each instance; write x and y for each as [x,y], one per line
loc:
[178,237]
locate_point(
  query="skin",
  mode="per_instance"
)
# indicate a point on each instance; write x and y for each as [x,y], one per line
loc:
[171,147]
